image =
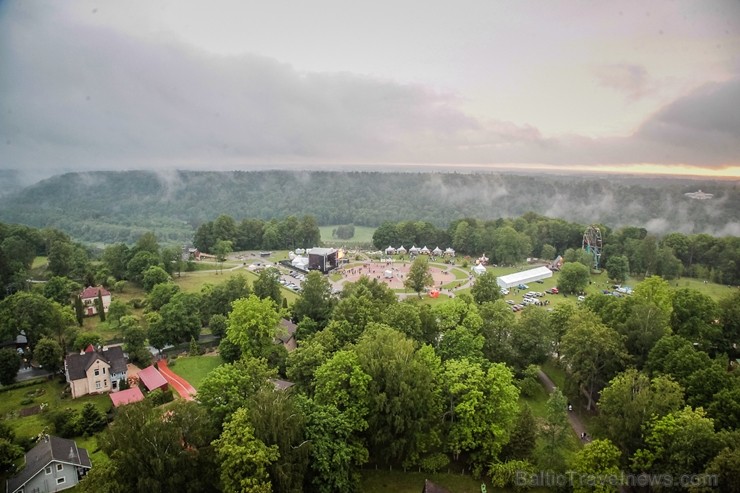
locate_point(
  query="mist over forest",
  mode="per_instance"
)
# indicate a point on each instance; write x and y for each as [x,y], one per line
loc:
[108,206]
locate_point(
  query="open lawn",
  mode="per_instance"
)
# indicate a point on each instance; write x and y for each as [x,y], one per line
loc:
[716,291]
[208,265]
[39,262]
[48,392]
[195,368]
[363,234]
[193,281]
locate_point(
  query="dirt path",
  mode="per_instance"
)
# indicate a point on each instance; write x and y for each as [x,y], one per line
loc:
[181,385]
[575,421]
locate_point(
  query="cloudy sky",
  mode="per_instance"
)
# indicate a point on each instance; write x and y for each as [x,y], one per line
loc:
[240,84]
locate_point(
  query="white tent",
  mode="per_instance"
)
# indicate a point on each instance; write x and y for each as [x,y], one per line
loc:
[479,269]
[414,250]
[390,250]
[437,251]
[291,255]
[299,262]
[424,251]
[401,250]
[524,277]
[388,274]
[450,251]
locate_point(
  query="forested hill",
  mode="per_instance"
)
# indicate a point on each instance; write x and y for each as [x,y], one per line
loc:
[118,206]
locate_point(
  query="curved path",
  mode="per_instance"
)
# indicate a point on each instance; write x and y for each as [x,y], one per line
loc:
[575,421]
[178,383]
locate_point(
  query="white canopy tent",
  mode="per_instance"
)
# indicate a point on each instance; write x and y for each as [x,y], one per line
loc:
[524,277]
[479,269]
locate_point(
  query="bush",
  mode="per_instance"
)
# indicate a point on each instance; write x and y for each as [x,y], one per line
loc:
[26,402]
[66,422]
[138,303]
[92,419]
[159,397]
[434,462]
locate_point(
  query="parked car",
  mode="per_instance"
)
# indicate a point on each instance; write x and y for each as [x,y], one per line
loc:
[552,291]
[523,286]
[581,298]
[510,302]
[504,291]
[540,281]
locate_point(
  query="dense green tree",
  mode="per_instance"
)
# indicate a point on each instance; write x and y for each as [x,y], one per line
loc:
[655,290]
[405,318]
[222,249]
[231,386]
[92,419]
[481,409]
[596,468]
[419,277]
[574,277]
[498,323]
[154,275]
[618,268]
[676,357]
[158,450]
[147,242]
[693,317]
[117,310]
[79,311]
[244,459]
[594,353]
[523,438]
[218,324]
[48,353]
[316,301]
[560,319]
[723,471]
[548,252]
[139,263]
[61,290]
[179,319]
[218,298]
[33,315]
[336,449]
[253,325]
[9,454]
[85,339]
[116,258]
[278,421]
[555,429]
[304,361]
[628,403]
[486,288]
[461,342]
[267,286]
[725,408]
[531,338]
[404,395]
[679,443]
[341,382]
[729,317]
[10,363]
[160,295]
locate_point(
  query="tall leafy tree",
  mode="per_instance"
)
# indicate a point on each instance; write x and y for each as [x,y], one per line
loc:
[233,385]
[574,277]
[10,363]
[555,429]
[49,354]
[486,288]
[244,458]
[594,353]
[629,402]
[253,325]
[419,276]
[157,450]
[267,285]
[481,407]
[596,468]
[316,301]
[34,315]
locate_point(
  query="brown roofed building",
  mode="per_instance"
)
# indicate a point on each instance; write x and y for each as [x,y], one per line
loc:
[89,297]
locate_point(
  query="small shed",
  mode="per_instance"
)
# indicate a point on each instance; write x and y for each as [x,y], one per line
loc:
[152,379]
[127,396]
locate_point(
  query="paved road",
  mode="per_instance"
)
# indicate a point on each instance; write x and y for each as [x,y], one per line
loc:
[181,385]
[575,421]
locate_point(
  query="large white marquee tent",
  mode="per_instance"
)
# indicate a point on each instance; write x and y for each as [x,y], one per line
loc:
[524,277]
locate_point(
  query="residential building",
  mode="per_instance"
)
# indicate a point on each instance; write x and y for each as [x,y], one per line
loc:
[55,464]
[95,371]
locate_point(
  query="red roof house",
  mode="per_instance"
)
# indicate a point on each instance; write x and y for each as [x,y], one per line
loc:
[152,379]
[89,297]
[127,396]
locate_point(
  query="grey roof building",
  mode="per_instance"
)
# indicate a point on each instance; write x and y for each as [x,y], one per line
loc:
[55,464]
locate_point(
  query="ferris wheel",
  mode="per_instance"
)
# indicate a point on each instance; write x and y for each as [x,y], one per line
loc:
[592,244]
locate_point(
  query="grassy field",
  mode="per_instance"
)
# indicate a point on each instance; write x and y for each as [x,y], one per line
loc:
[363,234]
[382,481]
[195,368]
[46,391]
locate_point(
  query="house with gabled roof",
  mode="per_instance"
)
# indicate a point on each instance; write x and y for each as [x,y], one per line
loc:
[54,464]
[89,297]
[94,371]
[286,335]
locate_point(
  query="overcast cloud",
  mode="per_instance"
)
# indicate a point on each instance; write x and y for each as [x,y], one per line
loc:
[137,90]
